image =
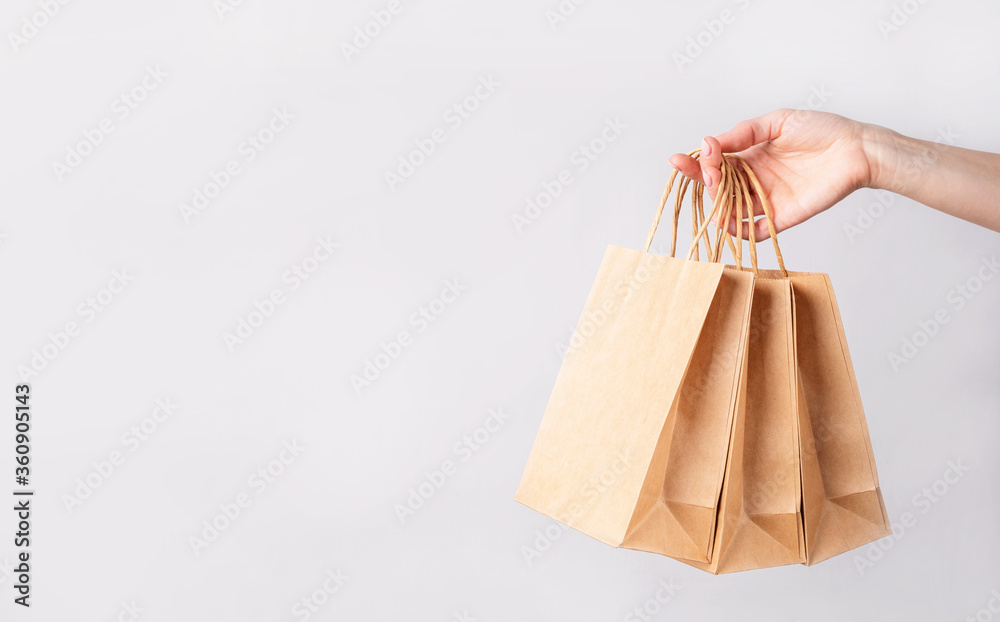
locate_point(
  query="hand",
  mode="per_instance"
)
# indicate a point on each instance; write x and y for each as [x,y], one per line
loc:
[806,162]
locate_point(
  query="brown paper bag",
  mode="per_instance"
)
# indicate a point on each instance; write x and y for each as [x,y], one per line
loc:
[760,522]
[633,444]
[805,354]
[678,502]
[842,500]
[709,414]
[842,506]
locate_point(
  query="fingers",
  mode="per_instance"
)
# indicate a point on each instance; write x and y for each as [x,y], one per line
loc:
[746,134]
[687,166]
[704,170]
[760,229]
[711,160]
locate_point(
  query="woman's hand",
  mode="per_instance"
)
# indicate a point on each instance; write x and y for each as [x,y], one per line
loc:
[806,162]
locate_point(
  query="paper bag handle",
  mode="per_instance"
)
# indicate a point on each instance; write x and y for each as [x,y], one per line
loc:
[737,178]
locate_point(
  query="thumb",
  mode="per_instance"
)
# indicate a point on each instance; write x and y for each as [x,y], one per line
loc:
[711,173]
[711,160]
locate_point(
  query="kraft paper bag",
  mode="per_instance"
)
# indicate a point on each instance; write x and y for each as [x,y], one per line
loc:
[600,460]
[678,502]
[709,413]
[760,523]
[843,506]
[633,444]
[842,500]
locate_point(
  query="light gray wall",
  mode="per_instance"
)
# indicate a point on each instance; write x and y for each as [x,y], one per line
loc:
[333,505]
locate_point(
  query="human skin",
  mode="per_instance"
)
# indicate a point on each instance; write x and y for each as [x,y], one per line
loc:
[807,161]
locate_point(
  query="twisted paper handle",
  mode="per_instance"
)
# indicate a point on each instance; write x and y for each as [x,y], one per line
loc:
[734,192]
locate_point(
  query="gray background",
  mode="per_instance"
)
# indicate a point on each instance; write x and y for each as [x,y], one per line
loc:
[461,554]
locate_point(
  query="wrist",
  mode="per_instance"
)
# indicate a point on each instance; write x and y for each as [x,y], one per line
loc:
[881,147]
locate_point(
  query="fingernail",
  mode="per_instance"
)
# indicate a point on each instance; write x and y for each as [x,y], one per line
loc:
[706,149]
[710,174]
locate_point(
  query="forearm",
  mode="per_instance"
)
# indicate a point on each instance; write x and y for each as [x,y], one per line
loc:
[960,182]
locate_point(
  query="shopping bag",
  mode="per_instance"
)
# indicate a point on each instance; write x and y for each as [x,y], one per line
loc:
[760,516]
[632,446]
[713,417]
[842,499]
[802,359]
